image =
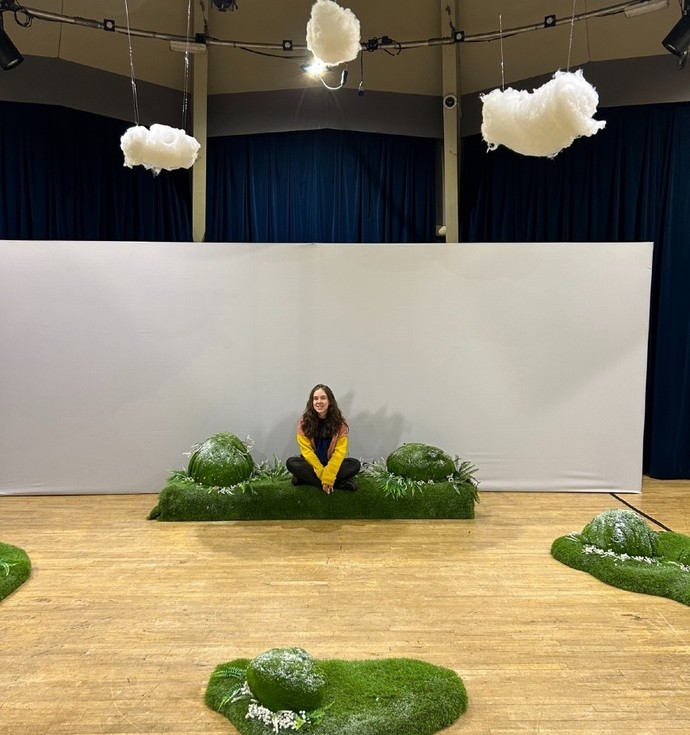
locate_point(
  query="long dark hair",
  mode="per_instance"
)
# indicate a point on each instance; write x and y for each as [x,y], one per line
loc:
[310,419]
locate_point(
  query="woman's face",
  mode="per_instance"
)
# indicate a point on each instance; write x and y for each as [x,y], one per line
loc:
[320,402]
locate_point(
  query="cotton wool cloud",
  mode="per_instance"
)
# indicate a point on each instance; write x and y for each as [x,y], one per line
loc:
[159,148]
[542,122]
[333,33]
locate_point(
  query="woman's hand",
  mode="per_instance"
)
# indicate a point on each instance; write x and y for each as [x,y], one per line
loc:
[328,489]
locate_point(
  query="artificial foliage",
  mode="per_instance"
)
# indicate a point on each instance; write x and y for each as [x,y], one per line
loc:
[223,483]
[620,549]
[420,462]
[15,568]
[397,696]
[287,679]
[412,468]
[621,531]
[222,460]
[266,498]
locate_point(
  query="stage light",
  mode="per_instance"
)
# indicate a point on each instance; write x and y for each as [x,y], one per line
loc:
[315,68]
[678,39]
[9,55]
[645,7]
[549,21]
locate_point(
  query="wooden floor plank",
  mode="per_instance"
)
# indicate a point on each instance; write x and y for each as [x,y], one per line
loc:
[124,619]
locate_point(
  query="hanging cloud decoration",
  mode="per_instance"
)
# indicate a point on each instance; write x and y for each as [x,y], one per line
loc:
[333,33]
[161,147]
[543,122]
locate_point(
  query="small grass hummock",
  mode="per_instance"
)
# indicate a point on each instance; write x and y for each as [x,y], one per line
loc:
[15,569]
[397,696]
[618,548]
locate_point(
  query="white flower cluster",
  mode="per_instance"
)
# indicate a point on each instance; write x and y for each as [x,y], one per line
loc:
[284,720]
[615,555]
[626,557]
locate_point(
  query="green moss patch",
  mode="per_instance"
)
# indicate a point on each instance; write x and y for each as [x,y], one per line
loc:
[15,569]
[272,499]
[663,569]
[420,462]
[388,697]
[223,459]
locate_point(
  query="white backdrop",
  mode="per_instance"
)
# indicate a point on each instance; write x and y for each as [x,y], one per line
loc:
[527,359]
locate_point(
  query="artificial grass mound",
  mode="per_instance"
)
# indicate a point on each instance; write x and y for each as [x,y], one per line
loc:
[618,548]
[397,696]
[15,569]
[417,481]
[182,499]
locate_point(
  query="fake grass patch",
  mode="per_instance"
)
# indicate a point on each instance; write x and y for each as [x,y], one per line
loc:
[388,697]
[618,548]
[182,499]
[15,568]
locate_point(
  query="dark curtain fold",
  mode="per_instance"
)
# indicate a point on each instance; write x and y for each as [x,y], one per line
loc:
[321,186]
[62,178]
[630,182]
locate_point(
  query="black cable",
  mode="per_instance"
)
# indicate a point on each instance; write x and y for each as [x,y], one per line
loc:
[274,56]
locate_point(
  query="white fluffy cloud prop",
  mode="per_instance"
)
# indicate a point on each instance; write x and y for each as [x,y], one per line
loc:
[333,33]
[543,122]
[161,147]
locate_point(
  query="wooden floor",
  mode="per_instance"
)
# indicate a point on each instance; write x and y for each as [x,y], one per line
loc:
[124,619]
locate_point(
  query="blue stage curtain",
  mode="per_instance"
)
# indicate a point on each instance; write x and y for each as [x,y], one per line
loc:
[62,178]
[321,186]
[630,182]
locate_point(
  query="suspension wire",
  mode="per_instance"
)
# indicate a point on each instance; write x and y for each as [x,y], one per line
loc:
[503,74]
[131,68]
[614,9]
[185,89]
[572,29]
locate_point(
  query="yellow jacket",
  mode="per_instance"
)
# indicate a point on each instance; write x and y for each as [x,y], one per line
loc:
[337,451]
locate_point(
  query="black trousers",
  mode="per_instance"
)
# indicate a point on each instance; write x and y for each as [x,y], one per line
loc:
[304,472]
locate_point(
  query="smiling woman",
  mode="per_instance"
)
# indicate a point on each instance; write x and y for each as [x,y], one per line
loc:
[322,437]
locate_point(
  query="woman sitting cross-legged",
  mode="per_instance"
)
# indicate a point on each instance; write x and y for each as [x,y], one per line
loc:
[322,437]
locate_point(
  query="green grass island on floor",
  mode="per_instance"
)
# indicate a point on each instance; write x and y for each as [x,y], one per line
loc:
[397,696]
[15,569]
[273,500]
[223,483]
[619,548]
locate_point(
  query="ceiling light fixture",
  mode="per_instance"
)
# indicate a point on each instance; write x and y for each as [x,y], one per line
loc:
[648,6]
[315,68]
[678,39]
[9,55]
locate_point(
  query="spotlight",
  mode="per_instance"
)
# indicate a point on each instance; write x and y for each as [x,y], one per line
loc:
[287,44]
[458,36]
[315,68]
[678,39]
[372,44]
[9,56]
[109,25]
[549,21]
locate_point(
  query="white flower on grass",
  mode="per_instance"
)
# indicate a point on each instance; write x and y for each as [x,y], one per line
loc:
[283,720]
